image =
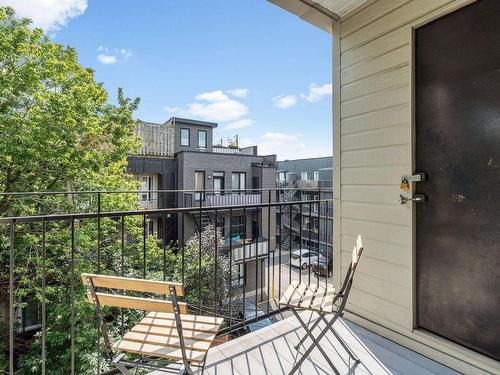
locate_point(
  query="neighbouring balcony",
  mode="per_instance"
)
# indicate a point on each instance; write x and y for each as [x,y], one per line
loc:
[249,250]
[232,199]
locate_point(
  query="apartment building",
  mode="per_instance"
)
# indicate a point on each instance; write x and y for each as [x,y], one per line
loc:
[309,227]
[179,155]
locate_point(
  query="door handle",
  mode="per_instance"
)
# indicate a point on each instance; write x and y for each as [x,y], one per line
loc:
[417,198]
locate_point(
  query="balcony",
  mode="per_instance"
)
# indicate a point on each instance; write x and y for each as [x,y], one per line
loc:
[249,250]
[232,199]
[119,243]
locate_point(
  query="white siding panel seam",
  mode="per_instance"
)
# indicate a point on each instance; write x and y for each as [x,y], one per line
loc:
[377,92]
[370,14]
[375,111]
[367,60]
[400,17]
[361,149]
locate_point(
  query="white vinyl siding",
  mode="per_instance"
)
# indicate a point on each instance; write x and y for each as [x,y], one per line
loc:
[375,148]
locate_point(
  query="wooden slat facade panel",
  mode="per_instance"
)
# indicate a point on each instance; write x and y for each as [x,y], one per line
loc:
[393,135]
[395,234]
[373,175]
[380,213]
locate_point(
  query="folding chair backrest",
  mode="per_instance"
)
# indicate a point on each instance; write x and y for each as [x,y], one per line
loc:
[346,286]
[136,285]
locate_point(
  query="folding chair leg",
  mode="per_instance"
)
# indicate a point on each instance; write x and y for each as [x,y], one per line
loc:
[344,345]
[315,343]
[315,324]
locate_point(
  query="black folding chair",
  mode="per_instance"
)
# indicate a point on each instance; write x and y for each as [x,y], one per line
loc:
[300,296]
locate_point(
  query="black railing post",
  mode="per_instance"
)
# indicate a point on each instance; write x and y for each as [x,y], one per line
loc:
[199,257]
[44,300]
[301,218]
[309,245]
[319,231]
[244,264]
[216,245]
[327,248]
[11,297]
[269,250]
[72,288]
[279,254]
[144,235]
[230,268]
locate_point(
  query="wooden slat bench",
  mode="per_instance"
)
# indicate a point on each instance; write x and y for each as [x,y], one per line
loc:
[167,331]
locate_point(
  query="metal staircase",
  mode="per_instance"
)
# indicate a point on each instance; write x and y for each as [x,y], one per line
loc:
[206,220]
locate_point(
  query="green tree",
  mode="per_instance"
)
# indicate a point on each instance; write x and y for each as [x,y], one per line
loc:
[59,132]
[57,127]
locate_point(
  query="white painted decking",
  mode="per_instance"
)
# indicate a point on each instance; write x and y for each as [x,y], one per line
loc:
[271,351]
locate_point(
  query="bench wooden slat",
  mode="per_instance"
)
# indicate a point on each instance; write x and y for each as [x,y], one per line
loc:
[172,331]
[289,292]
[308,297]
[167,341]
[297,295]
[158,351]
[321,295]
[192,326]
[187,317]
[137,303]
[137,285]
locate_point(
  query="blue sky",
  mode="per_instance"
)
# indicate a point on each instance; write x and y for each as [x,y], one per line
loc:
[259,71]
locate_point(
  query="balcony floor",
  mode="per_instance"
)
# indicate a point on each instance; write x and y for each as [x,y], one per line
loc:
[271,351]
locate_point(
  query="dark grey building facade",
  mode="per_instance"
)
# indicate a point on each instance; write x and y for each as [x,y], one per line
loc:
[309,227]
[179,155]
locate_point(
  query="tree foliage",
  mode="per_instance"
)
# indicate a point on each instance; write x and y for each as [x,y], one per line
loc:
[59,131]
[57,127]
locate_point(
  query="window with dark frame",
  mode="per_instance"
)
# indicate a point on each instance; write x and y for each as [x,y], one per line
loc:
[202,139]
[185,137]
[199,185]
[238,182]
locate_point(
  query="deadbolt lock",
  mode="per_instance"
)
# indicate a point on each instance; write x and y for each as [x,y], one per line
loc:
[417,198]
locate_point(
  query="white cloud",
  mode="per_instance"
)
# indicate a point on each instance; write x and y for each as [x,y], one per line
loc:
[239,93]
[106,59]
[50,15]
[211,106]
[317,92]
[213,96]
[240,124]
[112,55]
[284,101]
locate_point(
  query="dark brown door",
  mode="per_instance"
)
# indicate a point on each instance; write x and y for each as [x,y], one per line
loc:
[458,147]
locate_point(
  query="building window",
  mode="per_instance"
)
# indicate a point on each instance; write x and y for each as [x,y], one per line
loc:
[218,178]
[306,223]
[238,228]
[316,175]
[199,185]
[202,139]
[238,181]
[303,175]
[282,176]
[184,137]
[146,194]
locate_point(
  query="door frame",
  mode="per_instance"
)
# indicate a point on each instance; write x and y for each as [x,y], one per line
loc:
[431,339]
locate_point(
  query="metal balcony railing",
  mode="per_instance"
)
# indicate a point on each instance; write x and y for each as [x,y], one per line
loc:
[44,256]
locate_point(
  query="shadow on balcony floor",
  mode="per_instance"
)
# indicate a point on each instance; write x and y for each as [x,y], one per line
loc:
[271,351]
